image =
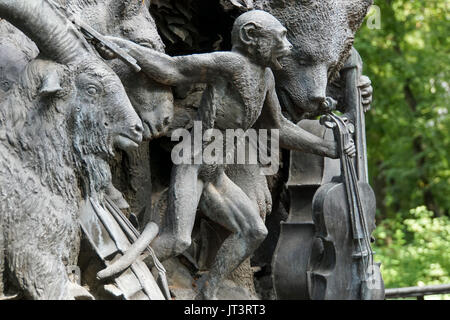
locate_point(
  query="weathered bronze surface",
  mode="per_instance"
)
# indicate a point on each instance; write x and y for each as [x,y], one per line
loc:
[88,99]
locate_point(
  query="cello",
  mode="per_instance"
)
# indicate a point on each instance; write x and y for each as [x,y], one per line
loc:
[307,172]
[341,264]
[111,235]
[291,261]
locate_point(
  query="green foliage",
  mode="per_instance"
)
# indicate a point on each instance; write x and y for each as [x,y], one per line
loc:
[414,251]
[408,61]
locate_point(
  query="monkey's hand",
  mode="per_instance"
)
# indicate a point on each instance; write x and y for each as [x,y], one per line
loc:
[105,52]
[122,43]
[332,149]
[108,54]
[366,88]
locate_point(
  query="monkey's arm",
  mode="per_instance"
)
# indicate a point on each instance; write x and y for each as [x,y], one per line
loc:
[295,138]
[291,136]
[173,71]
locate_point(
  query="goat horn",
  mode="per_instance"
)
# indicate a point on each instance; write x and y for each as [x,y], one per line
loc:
[52,32]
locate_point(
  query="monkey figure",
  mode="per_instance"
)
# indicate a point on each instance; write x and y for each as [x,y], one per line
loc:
[239,83]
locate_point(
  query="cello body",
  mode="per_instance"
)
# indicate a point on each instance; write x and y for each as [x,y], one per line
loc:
[307,172]
[316,241]
[333,266]
[341,264]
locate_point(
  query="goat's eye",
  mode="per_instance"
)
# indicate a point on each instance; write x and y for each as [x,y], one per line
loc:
[91,90]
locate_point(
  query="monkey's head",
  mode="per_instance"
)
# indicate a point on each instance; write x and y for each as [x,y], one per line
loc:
[262,37]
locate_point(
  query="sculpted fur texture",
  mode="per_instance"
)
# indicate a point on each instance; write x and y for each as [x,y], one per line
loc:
[58,127]
[322,33]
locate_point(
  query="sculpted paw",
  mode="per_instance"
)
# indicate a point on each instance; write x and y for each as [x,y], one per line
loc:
[366,88]
[329,105]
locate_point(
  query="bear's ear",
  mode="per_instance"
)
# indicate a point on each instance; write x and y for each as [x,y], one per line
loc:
[356,11]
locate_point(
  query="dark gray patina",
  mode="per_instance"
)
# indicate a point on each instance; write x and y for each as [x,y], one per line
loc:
[83,127]
[59,125]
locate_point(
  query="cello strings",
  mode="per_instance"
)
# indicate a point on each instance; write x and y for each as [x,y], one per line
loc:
[355,205]
[363,220]
[118,215]
[128,223]
[355,193]
[353,214]
[362,216]
[350,193]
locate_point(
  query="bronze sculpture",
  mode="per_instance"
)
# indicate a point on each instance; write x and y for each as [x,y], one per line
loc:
[258,42]
[59,123]
[240,93]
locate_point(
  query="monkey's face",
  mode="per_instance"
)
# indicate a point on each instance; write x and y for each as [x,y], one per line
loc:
[262,37]
[272,45]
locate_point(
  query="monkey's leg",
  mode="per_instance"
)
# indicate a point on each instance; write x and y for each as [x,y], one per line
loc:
[225,203]
[248,178]
[184,195]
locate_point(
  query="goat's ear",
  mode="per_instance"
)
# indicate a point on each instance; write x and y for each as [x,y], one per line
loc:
[51,84]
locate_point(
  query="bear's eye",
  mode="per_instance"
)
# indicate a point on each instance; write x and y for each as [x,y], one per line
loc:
[92,90]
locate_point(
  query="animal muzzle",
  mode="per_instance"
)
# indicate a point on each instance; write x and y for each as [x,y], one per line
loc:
[136,132]
[129,138]
[156,122]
